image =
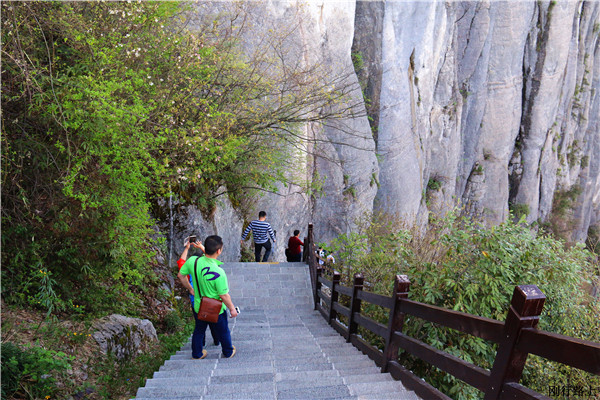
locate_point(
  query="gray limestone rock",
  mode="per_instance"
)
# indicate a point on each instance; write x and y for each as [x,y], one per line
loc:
[507,89]
[122,336]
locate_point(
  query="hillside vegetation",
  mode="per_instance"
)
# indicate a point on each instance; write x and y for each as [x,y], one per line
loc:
[108,108]
[461,265]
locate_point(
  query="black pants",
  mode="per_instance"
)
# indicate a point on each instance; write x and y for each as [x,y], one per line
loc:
[295,257]
[258,248]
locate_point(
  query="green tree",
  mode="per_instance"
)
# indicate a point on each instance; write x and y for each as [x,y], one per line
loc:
[109,106]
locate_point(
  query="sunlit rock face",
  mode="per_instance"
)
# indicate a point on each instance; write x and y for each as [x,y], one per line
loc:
[487,104]
[492,104]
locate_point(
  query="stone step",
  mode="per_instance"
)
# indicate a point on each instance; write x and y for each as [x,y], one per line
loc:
[190,397]
[321,392]
[240,396]
[350,358]
[392,387]
[310,383]
[407,395]
[243,364]
[180,366]
[344,364]
[367,378]
[322,366]
[237,388]
[244,371]
[285,349]
[346,370]
[307,375]
[194,380]
[244,378]
[172,391]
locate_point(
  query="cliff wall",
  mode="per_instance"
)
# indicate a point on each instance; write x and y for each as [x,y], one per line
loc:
[488,104]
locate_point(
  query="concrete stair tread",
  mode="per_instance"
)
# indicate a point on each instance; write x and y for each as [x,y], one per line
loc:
[240,387]
[244,371]
[178,381]
[285,349]
[172,391]
[350,358]
[191,397]
[321,392]
[260,377]
[343,364]
[310,383]
[390,396]
[381,388]
[309,375]
[240,396]
[367,378]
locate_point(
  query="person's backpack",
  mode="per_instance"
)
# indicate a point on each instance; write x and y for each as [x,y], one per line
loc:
[287,254]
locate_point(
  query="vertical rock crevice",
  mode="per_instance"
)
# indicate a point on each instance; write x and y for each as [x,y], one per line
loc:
[366,56]
[524,193]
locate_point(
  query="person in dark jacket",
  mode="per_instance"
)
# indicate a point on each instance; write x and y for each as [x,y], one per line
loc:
[294,252]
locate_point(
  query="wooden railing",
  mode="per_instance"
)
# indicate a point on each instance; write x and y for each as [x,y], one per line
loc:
[516,337]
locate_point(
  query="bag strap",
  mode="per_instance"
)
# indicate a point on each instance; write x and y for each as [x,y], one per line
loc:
[196,275]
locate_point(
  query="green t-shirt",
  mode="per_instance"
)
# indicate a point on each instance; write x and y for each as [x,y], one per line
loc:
[211,278]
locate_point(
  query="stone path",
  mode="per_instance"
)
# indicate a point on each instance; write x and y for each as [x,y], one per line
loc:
[285,350]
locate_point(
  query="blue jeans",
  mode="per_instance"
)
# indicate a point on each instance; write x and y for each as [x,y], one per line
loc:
[211,326]
[220,328]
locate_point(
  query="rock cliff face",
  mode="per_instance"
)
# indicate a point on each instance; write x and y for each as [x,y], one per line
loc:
[493,103]
[489,104]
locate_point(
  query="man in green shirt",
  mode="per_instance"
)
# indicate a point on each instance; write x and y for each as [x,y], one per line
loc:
[212,282]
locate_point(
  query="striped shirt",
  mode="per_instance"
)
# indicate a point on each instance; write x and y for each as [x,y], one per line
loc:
[261,230]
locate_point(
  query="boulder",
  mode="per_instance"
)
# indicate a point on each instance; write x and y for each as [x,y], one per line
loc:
[122,336]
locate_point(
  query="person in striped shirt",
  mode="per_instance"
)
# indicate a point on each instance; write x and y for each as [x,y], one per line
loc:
[261,231]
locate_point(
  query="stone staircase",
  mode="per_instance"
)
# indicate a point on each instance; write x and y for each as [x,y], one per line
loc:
[285,350]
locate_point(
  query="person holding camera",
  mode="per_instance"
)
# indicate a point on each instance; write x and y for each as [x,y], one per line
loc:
[261,231]
[193,241]
[212,282]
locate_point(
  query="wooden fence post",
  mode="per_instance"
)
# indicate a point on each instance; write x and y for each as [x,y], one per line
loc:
[525,308]
[305,250]
[317,286]
[334,295]
[354,305]
[308,241]
[396,320]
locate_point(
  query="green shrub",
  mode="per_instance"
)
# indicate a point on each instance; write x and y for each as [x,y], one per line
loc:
[434,184]
[357,61]
[173,322]
[461,265]
[519,210]
[31,372]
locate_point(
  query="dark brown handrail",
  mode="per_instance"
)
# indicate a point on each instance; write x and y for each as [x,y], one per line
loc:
[517,337]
